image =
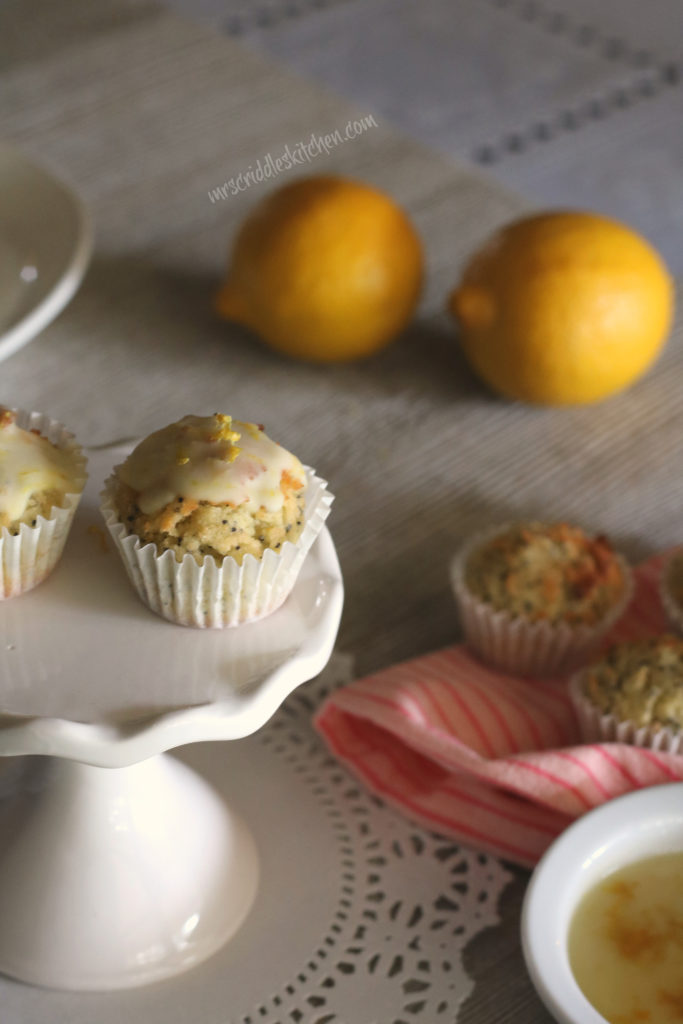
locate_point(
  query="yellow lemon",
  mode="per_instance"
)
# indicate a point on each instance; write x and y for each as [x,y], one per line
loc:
[326,269]
[563,308]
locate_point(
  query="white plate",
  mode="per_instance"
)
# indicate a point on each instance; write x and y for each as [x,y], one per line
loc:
[88,672]
[45,245]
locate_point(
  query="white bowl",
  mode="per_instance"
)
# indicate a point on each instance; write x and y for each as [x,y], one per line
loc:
[638,825]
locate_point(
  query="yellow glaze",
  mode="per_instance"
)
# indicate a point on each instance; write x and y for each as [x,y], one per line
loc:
[626,943]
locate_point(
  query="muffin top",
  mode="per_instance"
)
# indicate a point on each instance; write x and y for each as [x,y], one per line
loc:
[213,459]
[674,578]
[554,572]
[35,474]
[640,682]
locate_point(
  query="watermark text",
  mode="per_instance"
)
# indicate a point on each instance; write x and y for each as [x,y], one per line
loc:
[301,153]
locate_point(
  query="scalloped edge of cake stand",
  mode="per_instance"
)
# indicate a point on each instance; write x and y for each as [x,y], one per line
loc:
[111,746]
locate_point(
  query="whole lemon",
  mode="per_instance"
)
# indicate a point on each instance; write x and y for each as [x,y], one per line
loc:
[563,308]
[326,269]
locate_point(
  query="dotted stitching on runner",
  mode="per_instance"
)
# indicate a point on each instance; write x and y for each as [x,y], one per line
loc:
[367,942]
[271,13]
[660,76]
[573,118]
[586,37]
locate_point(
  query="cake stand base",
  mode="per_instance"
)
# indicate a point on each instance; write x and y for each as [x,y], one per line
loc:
[116,877]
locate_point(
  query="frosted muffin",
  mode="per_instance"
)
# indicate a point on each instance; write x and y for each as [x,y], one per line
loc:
[42,475]
[634,694]
[213,520]
[208,486]
[536,598]
[671,590]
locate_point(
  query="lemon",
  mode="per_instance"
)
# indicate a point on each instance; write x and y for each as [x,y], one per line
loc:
[326,269]
[563,308]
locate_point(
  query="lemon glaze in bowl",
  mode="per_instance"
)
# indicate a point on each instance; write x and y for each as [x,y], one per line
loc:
[643,824]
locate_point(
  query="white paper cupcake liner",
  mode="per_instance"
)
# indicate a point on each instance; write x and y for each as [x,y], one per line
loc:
[597,727]
[519,647]
[27,558]
[674,611]
[217,595]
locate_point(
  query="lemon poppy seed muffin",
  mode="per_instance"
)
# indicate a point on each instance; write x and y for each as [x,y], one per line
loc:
[42,475]
[213,520]
[554,572]
[35,474]
[536,598]
[634,693]
[641,682]
[212,486]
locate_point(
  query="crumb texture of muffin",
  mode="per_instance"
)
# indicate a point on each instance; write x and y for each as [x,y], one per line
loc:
[35,474]
[547,572]
[639,682]
[211,486]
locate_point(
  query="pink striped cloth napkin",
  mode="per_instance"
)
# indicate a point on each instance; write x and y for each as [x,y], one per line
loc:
[492,760]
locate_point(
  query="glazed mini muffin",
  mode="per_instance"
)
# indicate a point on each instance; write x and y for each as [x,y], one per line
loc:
[535,598]
[671,589]
[42,475]
[219,494]
[208,486]
[634,694]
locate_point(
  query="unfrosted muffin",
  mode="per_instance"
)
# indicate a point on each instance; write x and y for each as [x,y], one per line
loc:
[535,597]
[554,572]
[219,494]
[671,589]
[42,475]
[634,693]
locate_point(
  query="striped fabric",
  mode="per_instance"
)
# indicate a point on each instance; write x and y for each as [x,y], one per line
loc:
[492,760]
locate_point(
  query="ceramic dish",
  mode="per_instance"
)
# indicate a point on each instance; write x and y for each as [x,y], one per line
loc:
[45,245]
[639,825]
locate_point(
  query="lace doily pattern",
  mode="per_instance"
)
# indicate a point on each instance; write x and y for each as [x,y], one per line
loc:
[407,901]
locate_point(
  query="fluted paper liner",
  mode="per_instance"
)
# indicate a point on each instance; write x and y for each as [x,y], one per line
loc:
[674,611]
[597,727]
[518,646]
[27,558]
[216,594]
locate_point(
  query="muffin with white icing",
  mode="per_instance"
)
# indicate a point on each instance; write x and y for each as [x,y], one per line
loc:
[634,694]
[213,520]
[42,475]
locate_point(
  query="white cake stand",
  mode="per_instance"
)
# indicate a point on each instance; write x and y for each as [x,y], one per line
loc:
[120,866]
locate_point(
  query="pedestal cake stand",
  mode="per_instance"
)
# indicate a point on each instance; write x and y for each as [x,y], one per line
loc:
[120,865]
